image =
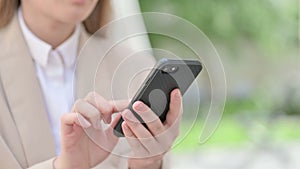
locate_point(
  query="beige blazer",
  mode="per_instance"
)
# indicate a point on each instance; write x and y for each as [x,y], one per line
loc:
[26,140]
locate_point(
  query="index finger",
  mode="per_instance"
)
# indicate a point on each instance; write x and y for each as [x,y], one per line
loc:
[106,108]
[119,105]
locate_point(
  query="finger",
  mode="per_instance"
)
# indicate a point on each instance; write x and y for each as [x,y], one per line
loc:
[137,147]
[106,108]
[136,127]
[175,108]
[119,105]
[127,132]
[69,119]
[114,122]
[109,132]
[88,111]
[103,106]
[139,131]
[158,130]
[149,117]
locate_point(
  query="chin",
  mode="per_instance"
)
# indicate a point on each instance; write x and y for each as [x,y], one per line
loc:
[75,13]
[75,17]
[78,10]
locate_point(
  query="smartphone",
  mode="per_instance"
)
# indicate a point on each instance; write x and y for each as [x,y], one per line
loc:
[155,92]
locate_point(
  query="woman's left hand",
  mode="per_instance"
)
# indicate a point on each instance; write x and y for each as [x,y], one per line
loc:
[149,146]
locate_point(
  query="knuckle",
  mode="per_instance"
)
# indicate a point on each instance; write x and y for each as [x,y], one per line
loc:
[77,103]
[91,96]
[158,128]
[63,117]
[135,125]
[147,141]
[92,114]
[107,108]
[104,106]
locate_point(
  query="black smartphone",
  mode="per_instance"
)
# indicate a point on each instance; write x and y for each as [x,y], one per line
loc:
[155,92]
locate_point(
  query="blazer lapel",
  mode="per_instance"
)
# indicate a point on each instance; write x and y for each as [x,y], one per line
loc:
[24,95]
[82,77]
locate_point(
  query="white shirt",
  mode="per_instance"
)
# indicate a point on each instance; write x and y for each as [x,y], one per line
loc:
[55,71]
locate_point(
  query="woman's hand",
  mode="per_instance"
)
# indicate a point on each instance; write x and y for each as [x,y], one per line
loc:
[149,146]
[78,150]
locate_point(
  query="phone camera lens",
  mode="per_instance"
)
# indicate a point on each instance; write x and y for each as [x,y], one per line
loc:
[169,69]
[166,69]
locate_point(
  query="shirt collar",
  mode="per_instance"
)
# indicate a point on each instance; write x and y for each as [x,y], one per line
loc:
[40,50]
[68,49]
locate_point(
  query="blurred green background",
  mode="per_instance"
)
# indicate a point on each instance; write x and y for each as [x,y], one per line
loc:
[258,42]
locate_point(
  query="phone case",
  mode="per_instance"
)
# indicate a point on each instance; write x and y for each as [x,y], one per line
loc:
[155,91]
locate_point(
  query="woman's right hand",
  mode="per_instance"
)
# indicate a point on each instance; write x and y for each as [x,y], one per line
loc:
[78,151]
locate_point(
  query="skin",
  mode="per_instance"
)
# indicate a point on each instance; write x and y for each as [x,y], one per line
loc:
[149,146]
[54,21]
[78,150]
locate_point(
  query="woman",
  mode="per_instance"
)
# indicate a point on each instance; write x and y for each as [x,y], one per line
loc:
[39,41]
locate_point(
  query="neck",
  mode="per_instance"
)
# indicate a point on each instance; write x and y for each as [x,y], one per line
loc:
[47,29]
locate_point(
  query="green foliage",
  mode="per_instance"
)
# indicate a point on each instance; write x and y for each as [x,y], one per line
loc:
[270,28]
[233,132]
[272,25]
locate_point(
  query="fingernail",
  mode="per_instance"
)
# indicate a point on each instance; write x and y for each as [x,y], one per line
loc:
[125,126]
[177,94]
[84,123]
[139,106]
